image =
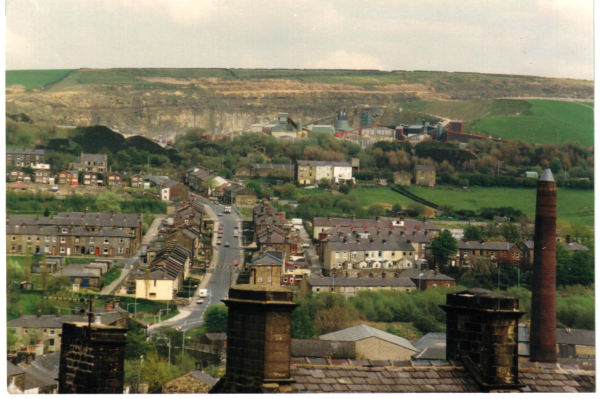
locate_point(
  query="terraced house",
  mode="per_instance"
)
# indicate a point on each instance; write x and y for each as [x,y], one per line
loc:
[312,172]
[23,156]
[75,233]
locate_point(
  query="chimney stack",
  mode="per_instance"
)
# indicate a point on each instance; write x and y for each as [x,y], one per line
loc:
[568,239]
[378,218]
[543,294]
[482,332]
[258,339]
[354,217]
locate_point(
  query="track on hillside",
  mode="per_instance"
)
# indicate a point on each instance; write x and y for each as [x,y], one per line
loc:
[408,194]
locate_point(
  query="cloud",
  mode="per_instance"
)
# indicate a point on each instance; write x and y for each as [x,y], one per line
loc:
[19,50]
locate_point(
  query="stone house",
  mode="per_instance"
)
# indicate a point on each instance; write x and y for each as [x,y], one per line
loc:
[23,156]
[350,286]
[495,251]
[114,180]
[238,195]
[277,170]
[425,175]
[374,344]
[82,274]
[70,233]
[428,279]
[68,177]
[402,178]
[172,190]
[312,172]
[89,179]
[16,175]
[42,176]
[266,269]
[97,163]
[137,181]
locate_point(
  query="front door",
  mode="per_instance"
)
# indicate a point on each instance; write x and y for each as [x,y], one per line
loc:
[97,251]
[85,282]
[111,252]
[53,250]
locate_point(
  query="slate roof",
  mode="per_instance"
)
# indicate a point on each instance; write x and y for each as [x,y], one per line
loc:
[427,376]
[216,336]
[266,260]
[575,246]
[409,224]
[193,382]
[361,282]
[51,321]
[323,349]
[362,331]
[431,354]
[323,163]
[78,219]
[93,157]
[413,273]
[273,166]
[12,369]
[565,336]
[24,151]
[486,246]
[170,183]
[76,231]
[366,245]
[430,340]
[42,372]
[75,270]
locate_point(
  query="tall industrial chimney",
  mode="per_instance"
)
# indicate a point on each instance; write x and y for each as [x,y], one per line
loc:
[543,299]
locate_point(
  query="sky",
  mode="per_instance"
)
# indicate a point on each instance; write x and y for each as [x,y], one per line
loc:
[527,37]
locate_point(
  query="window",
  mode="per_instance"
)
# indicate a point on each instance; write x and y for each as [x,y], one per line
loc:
[54,239]
[393,254]
[380,254]
[269,279]
[285,279]
[62,250]
[91,250]
[26,331]
[120,240]
[260,279]
[92,239]
[47,238]
[13,248]
[152,295]
[37,239]
[434,286]
[45,330]
[105,251]
[76,239]
[120,250]
[337,255]
[52,332]
[65,230]
[51,342]
[63,239]
[345,255]
[14,238]
[28,238]
[106,240]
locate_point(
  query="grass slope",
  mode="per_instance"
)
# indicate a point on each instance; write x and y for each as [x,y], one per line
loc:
[518,119]
[574,206]
[567,121]
[35,78]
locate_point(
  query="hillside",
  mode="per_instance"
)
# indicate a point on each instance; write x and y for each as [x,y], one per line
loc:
[172,100]
[527,120]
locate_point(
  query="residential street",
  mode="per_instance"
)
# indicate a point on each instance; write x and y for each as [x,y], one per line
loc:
[219,277]
[310,253]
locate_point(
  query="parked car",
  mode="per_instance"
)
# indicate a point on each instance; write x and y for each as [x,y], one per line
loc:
[227,244]
[219,242]
[305,245]
[199,301]
[219,214]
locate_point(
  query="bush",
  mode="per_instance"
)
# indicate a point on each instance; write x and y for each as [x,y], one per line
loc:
[428,324]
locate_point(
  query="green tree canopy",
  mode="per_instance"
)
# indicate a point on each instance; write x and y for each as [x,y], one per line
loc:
[444,246]
[472,233]
[215,319]
[510,232]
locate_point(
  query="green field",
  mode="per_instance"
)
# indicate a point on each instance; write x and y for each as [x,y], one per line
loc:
[574,206]
[36,78]
[542,121]
[551,121]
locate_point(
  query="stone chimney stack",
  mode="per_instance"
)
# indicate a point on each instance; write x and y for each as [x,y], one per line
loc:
[482,332]
[258,339]
[354,217]
[92,358]
[543,293]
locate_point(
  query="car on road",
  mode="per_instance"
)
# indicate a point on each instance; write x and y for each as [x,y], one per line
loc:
[235,263]
[305,245]
[219,242]
[219,214]
[199,301]
[227,244]
[294,258]
[203,293]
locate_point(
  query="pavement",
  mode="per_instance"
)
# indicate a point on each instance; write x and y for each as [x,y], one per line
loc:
[133,261]
[219,277]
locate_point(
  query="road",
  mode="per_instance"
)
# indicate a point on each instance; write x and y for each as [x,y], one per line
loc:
[310,253]
[221,274]
[133,261]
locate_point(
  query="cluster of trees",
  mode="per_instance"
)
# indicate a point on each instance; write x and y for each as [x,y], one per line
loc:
[326,204]
[486,180]
[508,232]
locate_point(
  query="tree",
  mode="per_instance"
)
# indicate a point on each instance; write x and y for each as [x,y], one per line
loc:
[583,235]
[215,319]
[510,232]
[472,233]
[376,210]
[324,183]
[396,208]
[256,187]
[46,212]
[416,209]
[155,371]
[209,184]
[136,343]
[109,202]
[344,189]
[427,324]
[555,165]
[288,190]
[12,339]
[59,284]
[444,246]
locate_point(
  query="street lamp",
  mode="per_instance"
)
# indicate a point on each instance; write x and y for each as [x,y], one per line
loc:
[169,345]
[140,374]
[134,308]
